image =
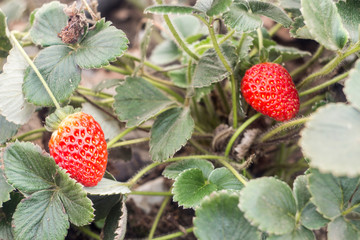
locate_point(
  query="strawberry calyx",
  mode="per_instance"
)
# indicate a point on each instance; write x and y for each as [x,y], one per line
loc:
[53,121]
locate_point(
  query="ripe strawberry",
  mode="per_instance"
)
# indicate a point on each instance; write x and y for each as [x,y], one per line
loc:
[269,89]
[78,146]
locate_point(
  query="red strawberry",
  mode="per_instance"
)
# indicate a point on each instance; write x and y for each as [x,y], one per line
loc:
[269,89]
[78,146]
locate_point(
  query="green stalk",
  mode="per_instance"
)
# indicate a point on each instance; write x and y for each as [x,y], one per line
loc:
[224,101]
[158,216]
[117,69]
[146,63]
[324,85]
[233,170]
[284,126]
[198,146]
[129,142]
[306,65]
[331,65]
[261,39]
[274,29]
[228,68]
[118,137]
[92,93]
[36,70]
[227,36]
[21,137]
[165,89]
[312,100]
[239,131]
[159,80]
[175,235]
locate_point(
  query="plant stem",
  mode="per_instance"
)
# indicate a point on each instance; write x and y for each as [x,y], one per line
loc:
[36,70]
[118,137]
[88,232]
[305,66]
[93,93]
[331,65]
[282,127]
[228,68]
[198,146]
[116,69]
[233,170]
[175,235]
[39,130]
[146,63]
[324,85]
[129,142]
[165,89]
[224,101]
[239,131]
[227,36]
[159,80]
[274,29]
[158,216]
[146,193]
[311,101]
[260,37]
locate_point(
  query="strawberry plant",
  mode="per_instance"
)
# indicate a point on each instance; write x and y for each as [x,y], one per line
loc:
[259,139]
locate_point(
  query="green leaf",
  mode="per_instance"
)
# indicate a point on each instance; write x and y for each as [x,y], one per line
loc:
[173,171]
[58,68]
[191,187]
[33,172]
[246,47]
[6,216]
[165,52]
[7,129]
[290,4]
[109,125]
[213,7]
[103,204]
[340,228]
[170,9]
[271,11]
[182,23]
[332,133]
[5,44]
[13,105]
[137,100]
[330,194]
[40,216]
[115,223]
[287,53]
[324,23]
[5,188]
[99,48]
[352,86]
[218,217]
[311,218]
[240,19]
[224,179]
[210,69]
[170,132]
[108,187]
[49,20]
[269,204]
[299,30]
[298,234]
[349,13]
[28,169]
[301,192]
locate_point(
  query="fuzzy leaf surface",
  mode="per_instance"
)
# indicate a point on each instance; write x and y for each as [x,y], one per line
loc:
[349,13]
[271,11]
[165,52]
[213,7]
[330,194]
[137,100]
[40,216]
[49,20]
[298,234]
[7,130]
[287,53]
[301,192]
[311,218]
[107,187]
[233,224]
[224,179]
[191,187]
[324,23]
[332,133]
[5,44]
[210,69]
[13,105]
[115,223]
[58,68]
[352,86]
[173,170]
[269,204]
[98,48]
[170,9]
[341,228]
[5,188]
[6,216]
[170,131]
